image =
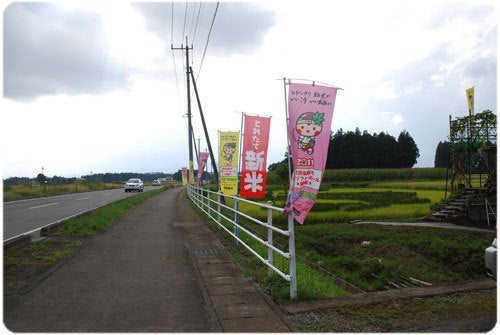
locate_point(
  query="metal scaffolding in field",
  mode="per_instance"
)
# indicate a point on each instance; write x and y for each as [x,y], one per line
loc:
[473,147]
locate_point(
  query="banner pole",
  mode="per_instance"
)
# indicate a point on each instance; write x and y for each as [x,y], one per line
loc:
[288,139]
[236,202]
[291,227]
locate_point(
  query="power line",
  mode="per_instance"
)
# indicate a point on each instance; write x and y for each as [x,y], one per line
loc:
[185,18]
[200,10]
[173,59]
[172,26]
[208,40]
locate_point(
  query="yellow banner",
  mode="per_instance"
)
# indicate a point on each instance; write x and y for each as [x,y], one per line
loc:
[191,173]
[228,161]
[470,99]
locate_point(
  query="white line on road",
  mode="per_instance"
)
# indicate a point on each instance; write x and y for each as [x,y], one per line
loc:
[105,194]
[83,198]
[51,204]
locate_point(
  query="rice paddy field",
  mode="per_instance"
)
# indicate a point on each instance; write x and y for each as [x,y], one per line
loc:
[382,201]
[369,256]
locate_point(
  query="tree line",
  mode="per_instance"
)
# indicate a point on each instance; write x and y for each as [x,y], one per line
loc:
[356,149]
[124,176]
[361,150]
[98,177]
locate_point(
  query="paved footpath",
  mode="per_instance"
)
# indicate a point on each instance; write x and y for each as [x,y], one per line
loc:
[158,269]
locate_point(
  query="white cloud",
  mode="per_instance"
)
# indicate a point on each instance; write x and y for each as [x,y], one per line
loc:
[94,84]
[128,40]
[397,118]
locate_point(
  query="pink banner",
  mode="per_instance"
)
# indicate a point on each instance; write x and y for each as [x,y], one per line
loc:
[310,112]
[184,176]
[254,156]
[202,162]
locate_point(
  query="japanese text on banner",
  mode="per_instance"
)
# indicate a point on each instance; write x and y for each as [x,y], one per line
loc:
[184,176]
[310,112]
[255,144]
[228,162]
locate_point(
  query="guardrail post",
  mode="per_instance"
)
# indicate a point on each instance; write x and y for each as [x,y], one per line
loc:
[293,265]
[270,236]
[205,194]
[199,196]
[218,209]
[235,220]
[209,207]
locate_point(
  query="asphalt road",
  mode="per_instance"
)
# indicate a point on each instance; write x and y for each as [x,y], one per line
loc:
[28,216]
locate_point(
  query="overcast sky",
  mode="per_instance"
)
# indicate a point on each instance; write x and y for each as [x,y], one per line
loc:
[95,86]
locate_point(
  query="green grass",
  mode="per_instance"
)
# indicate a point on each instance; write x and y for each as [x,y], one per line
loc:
[372,175]
[394,254]
[100,218]
[438,185]
[311,284]
[27,191]
[43,253]
[430,254]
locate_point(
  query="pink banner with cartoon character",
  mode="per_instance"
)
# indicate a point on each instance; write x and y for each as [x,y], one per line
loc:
[202,162]
[310,112]
[184,176]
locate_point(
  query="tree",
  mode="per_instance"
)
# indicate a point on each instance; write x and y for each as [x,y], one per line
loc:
[442,156]
[177,176]
[407,152]
[41,178]
[385,151]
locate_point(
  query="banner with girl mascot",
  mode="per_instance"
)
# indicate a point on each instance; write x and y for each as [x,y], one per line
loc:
[310,112]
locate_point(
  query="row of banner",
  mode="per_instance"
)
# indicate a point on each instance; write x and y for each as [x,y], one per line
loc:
[310,112]
[253,170]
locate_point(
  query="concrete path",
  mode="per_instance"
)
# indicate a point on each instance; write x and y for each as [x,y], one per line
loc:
[158,269]
[433,224]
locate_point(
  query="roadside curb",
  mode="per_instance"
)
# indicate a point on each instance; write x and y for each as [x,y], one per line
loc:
[394,294]
[16,242]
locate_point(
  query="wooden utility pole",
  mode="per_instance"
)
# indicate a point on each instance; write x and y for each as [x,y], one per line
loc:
[207,138]
[190,138]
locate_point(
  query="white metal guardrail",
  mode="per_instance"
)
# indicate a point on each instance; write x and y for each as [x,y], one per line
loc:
[210,203]
[490,211]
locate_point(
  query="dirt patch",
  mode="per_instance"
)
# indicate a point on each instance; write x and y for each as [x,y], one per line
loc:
[458,312]
[26,267]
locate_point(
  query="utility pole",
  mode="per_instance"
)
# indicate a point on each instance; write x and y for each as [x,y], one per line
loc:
[190,140]
[207,138]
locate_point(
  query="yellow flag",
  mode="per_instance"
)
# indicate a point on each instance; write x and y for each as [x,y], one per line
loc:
[228,161]
[470,99]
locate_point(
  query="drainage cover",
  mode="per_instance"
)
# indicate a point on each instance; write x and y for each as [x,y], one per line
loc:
[208,251]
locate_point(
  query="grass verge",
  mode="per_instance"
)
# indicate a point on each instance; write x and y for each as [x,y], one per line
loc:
[100,218]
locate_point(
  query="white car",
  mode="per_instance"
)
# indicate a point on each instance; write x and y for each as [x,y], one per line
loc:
[490,259]
[134,184]
[156,182]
